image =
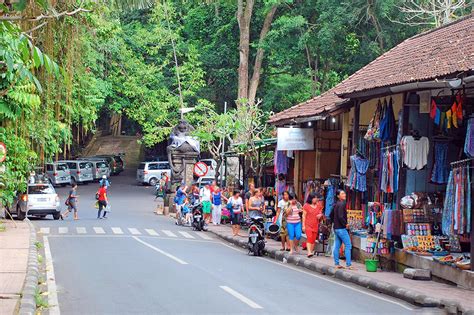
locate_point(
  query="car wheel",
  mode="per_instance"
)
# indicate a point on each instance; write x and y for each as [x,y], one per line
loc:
[153,181]
[63,185]
[57,215]
[19,214]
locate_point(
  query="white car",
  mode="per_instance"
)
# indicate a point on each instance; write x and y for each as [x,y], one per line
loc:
[40,200]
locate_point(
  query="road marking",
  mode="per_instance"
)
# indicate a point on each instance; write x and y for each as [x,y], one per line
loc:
[53,304]
[134,231]
[151,232]
[45,230]
[182,262]
[81,230]
[169,233]
[117,230]
[240,297]
[63,230]
[204,236]
[98,230]
[186,234]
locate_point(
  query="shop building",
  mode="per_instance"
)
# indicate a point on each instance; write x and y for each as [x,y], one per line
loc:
[404,152]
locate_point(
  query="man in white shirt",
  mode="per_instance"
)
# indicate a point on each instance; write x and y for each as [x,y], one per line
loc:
[205,195]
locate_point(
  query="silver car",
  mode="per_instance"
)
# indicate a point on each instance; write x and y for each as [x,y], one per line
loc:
[81,171]
[150,172]
[40,200]
[99,169]
[58,173]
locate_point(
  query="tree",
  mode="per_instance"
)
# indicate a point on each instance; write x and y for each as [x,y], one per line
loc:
[433,12]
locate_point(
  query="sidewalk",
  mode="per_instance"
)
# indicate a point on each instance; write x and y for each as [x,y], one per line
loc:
[14,250]
[425,293]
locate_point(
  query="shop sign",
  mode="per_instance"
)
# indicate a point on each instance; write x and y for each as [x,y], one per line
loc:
[298,139]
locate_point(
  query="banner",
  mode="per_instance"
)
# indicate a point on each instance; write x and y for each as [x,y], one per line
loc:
[298,139]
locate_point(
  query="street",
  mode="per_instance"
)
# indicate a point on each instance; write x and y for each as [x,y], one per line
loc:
[136,262]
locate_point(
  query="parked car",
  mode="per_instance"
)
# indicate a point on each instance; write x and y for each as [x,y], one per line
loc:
[100,168]
[116,162]
[40,200]
[58,173]
[204,180]
[81,171]
[150,172]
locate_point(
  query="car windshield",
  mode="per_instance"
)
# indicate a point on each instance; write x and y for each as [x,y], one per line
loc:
[83,165]
[40,189]
[62,167]
[101,164]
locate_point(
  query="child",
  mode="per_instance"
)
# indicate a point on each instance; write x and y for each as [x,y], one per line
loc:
[187,212]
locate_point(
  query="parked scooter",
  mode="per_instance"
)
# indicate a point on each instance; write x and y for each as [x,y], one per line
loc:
[198,220]
[256,242]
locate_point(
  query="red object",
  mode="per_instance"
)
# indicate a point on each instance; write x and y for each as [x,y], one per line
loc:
[253,228]
[433,109]
[311,220]
[78,172]
[200,169]
[24,197]
[102,194]
[55,174]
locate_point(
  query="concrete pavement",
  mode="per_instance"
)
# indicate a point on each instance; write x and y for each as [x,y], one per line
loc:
[14,249]
[136,262]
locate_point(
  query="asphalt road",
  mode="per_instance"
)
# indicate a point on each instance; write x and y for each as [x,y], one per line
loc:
[136,262]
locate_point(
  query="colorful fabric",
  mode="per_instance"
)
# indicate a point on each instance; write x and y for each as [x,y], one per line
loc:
[469,142]
[357,179]
[440,171]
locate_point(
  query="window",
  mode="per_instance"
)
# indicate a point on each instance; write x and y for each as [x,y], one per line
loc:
[85,165]
[49,167]
[101,165]
[40,190]
[163,166]
[61,167]
[72,165]
[153,167]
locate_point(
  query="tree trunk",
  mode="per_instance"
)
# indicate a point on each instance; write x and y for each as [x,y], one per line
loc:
[257,69]
[244,16]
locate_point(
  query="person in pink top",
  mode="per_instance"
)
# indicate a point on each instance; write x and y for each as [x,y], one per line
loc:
[293,224]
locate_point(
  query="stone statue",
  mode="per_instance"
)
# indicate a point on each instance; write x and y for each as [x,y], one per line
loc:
[183,150]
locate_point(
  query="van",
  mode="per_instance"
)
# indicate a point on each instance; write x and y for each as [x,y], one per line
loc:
[81,171]
[150,172]
[100,168]
[116,162]
[58,173]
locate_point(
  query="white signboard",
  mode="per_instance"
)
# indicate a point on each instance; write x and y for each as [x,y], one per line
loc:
[298,139]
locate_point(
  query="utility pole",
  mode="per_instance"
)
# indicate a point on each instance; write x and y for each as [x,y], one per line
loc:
[223,150]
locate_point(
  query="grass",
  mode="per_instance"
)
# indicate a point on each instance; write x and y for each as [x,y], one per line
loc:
[40,301]
[39,245]
[3,228]
[40,259]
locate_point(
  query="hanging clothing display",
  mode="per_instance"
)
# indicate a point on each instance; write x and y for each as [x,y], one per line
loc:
[357,179]
[440,172]
[373,131]
[387,123]
[447,119]
[457,203]
[400,126]
[390,171]
[415,152]
[469,142]
[281,162]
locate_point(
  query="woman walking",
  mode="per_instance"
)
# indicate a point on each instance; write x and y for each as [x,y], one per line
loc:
[237,207]
[283,204]
[293,224]
[103,201]
[341,235]
[216,205]
[71,203]
[312,214]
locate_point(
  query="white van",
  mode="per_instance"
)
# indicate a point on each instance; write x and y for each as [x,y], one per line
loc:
[81,171]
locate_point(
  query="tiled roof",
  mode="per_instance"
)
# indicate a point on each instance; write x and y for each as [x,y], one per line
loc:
[313,107]
[434,54]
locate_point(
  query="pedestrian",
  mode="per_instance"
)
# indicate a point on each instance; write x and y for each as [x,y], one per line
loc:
[280,218]
[341,235]
[236,207]
[71,203]
[205,195]
[179,201]
[194,194]
[256,205]
[293,224]
[105,181]
[312,214]
[248,195]
[216,206]
[188,215]
[101,197]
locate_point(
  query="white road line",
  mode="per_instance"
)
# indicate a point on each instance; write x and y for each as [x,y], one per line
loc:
[151,232]
[98,230]
[45,230]
[81,230]
[240,297]
[186,234]
[179,261]
[134,231]
[169,233]
[117,230]
[204,236]
[53,308]
[63,230]
[294,268]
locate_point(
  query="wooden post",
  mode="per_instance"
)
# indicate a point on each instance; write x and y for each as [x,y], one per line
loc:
[355,127]
[344,143]
[402,182]
[296,172]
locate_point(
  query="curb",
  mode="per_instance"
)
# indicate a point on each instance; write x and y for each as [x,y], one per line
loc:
[410,296]
[28,302]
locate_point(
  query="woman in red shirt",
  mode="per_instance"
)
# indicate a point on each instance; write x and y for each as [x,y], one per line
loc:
[102,199]
[312,214]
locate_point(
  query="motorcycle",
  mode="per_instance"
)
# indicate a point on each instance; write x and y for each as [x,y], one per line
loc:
[198,220]
[256,242]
